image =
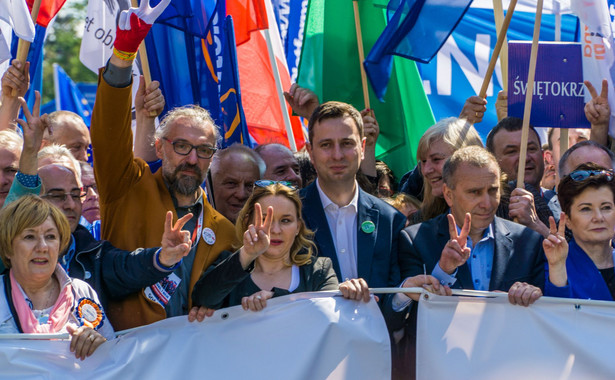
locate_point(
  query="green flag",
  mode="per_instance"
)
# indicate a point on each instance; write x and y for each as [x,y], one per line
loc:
[330,67]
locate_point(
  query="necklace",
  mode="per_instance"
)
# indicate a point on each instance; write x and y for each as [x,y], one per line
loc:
[48,300]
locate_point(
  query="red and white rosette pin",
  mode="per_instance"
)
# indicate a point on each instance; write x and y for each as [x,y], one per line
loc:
[90,313]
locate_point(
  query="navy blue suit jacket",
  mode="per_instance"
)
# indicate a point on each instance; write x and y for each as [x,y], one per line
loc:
[518,254]
[377,258]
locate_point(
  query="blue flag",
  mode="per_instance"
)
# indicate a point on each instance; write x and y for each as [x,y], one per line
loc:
[35,57]
[189,16]
[202,71]
[233,120]
[68,97]
[177,61]
[290,16]
[417,29]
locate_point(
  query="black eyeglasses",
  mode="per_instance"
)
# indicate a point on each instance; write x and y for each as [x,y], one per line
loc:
[269,182]
[60,197]
[183,148]
[582,175]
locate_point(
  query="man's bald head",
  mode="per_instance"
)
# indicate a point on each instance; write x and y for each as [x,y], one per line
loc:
[68,129]
[63,189]
[281,163]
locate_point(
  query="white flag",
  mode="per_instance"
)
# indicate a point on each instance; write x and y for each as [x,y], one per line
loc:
[597,44]
[99,32]
[17,15]
[5,45]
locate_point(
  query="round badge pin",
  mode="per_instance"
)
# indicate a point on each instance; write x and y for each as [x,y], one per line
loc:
[368,226]
[89,313]
[209,236]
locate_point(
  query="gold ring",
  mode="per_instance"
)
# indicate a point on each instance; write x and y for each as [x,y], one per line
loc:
[476,114]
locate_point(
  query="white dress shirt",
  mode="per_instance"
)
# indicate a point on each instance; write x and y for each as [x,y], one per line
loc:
[343,226]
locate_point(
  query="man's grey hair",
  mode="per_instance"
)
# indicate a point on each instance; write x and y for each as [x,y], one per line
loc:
[10,140]
[57,153]
[472,155]
[194,112]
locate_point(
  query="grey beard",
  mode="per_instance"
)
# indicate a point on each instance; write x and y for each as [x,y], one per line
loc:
[185,185]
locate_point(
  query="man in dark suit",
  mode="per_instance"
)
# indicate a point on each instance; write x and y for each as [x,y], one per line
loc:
[358,231]
[483,252]
[471,248]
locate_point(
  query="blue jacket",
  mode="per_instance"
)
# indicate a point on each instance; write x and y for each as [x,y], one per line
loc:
[377,250]
[584,279]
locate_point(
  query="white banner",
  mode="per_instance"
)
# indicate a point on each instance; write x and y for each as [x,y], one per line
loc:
[302,336]
[488,338]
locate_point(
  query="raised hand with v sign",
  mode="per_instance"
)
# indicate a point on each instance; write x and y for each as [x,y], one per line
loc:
[556,251]
[455,252]
[256,237]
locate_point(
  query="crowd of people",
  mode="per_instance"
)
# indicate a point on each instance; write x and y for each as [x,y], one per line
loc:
[168,224]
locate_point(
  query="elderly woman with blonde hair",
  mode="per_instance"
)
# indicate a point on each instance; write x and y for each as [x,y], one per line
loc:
[436,145]
[39,297]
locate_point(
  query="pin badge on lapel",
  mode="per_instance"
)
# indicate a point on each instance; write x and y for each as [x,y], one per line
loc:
[209,236]
[368,226]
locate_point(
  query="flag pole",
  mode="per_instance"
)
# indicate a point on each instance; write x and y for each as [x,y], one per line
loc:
[498,14]
[357,24]
[497,49]
[147,76]
[528,96]
[563,132]
[280,91]
[24,46]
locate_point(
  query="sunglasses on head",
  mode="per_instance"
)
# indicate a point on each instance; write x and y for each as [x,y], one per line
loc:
[269,182]
[582,175]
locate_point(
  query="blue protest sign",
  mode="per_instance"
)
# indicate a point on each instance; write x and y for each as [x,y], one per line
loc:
[557,99]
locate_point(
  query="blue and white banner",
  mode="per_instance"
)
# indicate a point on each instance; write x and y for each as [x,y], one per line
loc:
[484,338]
[302,336]
[458,69]
[290,16]
[597,18]
[557,99]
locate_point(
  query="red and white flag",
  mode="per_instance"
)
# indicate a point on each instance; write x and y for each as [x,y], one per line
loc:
[261,104]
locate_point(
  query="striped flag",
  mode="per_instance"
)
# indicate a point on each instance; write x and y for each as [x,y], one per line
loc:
[260,98]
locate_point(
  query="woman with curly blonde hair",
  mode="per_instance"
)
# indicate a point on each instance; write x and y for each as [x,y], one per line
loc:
[276,257]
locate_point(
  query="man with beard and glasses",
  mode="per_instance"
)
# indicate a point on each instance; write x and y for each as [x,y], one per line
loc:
[133,201]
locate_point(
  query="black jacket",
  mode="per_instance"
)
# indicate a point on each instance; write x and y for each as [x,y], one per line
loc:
[112,272]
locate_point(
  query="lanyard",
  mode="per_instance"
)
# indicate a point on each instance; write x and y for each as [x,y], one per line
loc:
[196,234]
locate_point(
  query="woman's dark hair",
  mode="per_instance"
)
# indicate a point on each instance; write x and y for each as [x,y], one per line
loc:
[569,188]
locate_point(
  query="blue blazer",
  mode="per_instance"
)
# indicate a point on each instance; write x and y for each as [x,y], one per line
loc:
[584,280]
[377,251]
[518,254]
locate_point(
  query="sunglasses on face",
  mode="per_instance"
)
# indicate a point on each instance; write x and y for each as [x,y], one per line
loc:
[269,182]
[582,175]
